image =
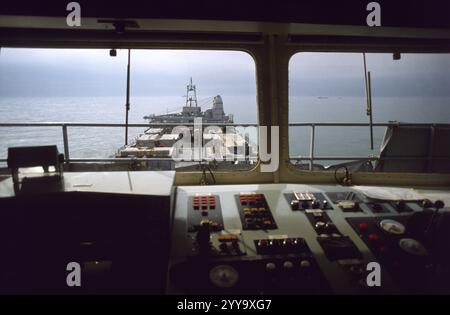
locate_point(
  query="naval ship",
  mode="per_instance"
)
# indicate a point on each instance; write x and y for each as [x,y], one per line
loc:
[222,142]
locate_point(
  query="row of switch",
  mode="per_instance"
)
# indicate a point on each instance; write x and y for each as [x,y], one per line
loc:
[229,244]
[212,225]
[204,202]
[280,246]
[288,265]
[248,212]
[304,205]
[251,199]
[259,223]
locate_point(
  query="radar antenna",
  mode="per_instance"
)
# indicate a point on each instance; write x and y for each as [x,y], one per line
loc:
[191,94]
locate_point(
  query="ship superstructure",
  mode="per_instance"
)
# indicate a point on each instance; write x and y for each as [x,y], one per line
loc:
[160,141]
[191,110]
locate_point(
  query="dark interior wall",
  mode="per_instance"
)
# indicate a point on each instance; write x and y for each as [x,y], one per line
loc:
[41,234]
[412,13]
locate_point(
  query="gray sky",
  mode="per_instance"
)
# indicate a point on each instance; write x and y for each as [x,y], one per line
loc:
[72,72]
[83,72]
[342,74]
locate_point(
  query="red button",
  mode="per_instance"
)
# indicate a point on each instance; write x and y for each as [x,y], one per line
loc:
[204,213]
[363,227]
[373,237]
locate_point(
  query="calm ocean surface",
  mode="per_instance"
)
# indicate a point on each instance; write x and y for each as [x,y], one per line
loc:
[104,142]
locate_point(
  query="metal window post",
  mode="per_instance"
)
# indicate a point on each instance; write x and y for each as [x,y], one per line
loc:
[311,147]
[127,105]
[66,143]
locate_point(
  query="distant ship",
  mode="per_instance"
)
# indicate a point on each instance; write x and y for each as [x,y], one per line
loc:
[158,141]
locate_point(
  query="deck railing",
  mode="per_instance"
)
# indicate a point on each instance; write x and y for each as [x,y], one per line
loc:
[311,158]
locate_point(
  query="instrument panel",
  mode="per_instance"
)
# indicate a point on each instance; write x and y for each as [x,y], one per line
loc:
[302,239]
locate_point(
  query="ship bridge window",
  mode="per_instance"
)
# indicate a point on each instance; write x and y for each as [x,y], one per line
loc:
[186,107]
[382,112]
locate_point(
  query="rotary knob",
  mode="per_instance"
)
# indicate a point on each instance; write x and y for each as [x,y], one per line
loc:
[305,263]
[288,265]
[224,276]
[271,266]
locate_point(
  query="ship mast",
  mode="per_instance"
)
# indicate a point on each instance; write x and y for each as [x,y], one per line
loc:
[191,94]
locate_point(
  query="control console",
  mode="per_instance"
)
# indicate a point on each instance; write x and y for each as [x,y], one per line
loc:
[300,239]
